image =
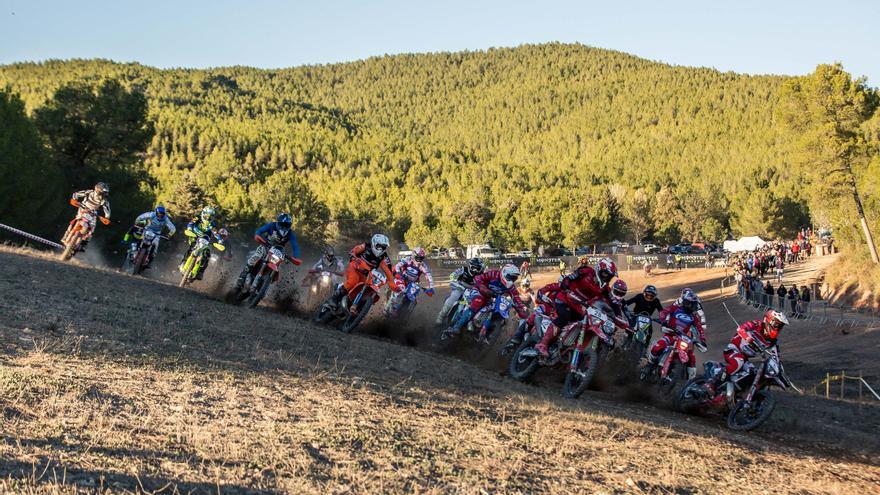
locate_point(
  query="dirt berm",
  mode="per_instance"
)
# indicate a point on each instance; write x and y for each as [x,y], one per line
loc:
[121,384]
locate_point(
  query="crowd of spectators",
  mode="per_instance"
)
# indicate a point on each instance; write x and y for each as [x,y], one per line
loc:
[756,271]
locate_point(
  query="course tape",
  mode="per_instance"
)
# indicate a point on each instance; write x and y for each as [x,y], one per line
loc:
[31,236]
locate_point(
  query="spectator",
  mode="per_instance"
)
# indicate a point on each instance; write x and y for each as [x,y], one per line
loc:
[524,272]
[678,260]
[793,297]
[669,261]
[757,290]
[738,276]
[562,267]
[768,294]
[780,294]
[780,268]
[805,300]
[708,260]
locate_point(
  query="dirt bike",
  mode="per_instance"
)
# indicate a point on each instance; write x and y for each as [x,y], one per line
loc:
[355,305]
[635,342]
[199,254]
[493,317]
[141,252]
[320,284]
[402,310]
[79,230]
[266,272]
[581,347]
[744,396]
[672,364]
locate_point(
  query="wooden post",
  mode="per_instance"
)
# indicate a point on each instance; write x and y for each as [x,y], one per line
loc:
[842,383]
[827,385]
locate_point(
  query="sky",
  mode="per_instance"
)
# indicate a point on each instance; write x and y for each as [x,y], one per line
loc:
[755,37]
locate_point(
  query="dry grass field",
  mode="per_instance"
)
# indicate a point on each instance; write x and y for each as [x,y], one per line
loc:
[110,383]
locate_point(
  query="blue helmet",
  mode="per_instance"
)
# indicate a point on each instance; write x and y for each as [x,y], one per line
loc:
[284,223]
[160,212]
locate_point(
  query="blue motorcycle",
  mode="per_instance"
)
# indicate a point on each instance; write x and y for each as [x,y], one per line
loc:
[488,323]
[401,304]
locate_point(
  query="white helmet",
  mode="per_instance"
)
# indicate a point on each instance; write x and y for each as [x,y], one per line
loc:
[509,274]
[379,244]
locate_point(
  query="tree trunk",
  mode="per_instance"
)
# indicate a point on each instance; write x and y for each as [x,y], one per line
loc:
[861,212]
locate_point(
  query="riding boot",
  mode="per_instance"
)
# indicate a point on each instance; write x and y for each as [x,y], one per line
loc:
[692,372]
[549,337]
[444,311]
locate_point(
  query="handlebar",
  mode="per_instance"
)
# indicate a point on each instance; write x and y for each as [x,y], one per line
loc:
[295,261]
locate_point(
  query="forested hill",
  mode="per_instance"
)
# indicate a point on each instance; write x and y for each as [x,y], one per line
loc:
[537,144]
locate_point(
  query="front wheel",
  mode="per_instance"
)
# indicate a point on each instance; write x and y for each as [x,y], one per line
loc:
[522,367]
[354,320]
[69,251]
[260,287]
[577,380]
[747,416]
[137,265]
[676,372]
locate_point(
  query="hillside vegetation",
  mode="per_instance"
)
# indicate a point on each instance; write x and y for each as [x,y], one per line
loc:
[532,145]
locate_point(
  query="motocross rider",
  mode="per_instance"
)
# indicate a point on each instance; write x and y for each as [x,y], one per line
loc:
[459,281]
[699,313]
[273,234]
[202,225]
[573,293]
[375,253]
[90,200]
[751,337]
[544,307]
[679,319]
[645,303]
[409,270]
[155,221]
[490,285]
[329,262]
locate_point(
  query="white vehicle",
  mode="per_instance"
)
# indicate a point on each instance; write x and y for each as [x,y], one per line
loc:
[650,248]
[482,251]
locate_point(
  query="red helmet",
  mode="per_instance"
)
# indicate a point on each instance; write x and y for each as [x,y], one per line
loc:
[618,291]
[605,271]
[773,323]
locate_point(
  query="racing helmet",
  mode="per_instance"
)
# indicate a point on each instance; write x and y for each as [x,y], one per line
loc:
[509,275]
[379,244]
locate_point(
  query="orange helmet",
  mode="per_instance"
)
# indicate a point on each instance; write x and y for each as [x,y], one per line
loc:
[773,323]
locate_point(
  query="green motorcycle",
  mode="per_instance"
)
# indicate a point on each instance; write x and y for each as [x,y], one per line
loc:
[198,259]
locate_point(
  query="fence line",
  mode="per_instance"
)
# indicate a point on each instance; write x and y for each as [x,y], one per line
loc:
[826,384]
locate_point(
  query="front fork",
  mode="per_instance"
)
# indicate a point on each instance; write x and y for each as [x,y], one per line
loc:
[576,355]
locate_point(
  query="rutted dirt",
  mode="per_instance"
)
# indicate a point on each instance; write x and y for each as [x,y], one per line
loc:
[121,383]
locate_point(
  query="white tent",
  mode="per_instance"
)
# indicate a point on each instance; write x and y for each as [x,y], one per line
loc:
[744,244]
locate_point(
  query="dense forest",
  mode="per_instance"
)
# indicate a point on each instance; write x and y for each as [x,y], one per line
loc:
[535,145]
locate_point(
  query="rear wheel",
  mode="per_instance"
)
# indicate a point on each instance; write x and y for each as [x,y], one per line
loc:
[691,397]
[353,320]
[577,380]
[323,314]
[746,417]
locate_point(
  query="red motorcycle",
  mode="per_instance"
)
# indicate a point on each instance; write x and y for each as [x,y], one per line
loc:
[745,396]
[355,306]
[581,346]
[79,230]
[672,364]
[265,273]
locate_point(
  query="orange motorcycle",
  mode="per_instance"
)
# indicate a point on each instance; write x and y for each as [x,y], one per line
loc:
[79,230]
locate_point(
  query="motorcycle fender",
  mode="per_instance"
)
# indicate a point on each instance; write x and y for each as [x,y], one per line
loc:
[641,336]
[683,356]
[667,362]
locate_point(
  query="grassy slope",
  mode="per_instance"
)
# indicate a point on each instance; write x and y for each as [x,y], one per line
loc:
[122,382]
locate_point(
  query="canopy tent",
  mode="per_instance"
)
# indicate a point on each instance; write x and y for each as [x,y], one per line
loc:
[744,244]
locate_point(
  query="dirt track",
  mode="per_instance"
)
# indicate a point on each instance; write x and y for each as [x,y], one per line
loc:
[113,381]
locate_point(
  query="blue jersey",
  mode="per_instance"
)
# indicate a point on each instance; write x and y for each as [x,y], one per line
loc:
[274,237]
